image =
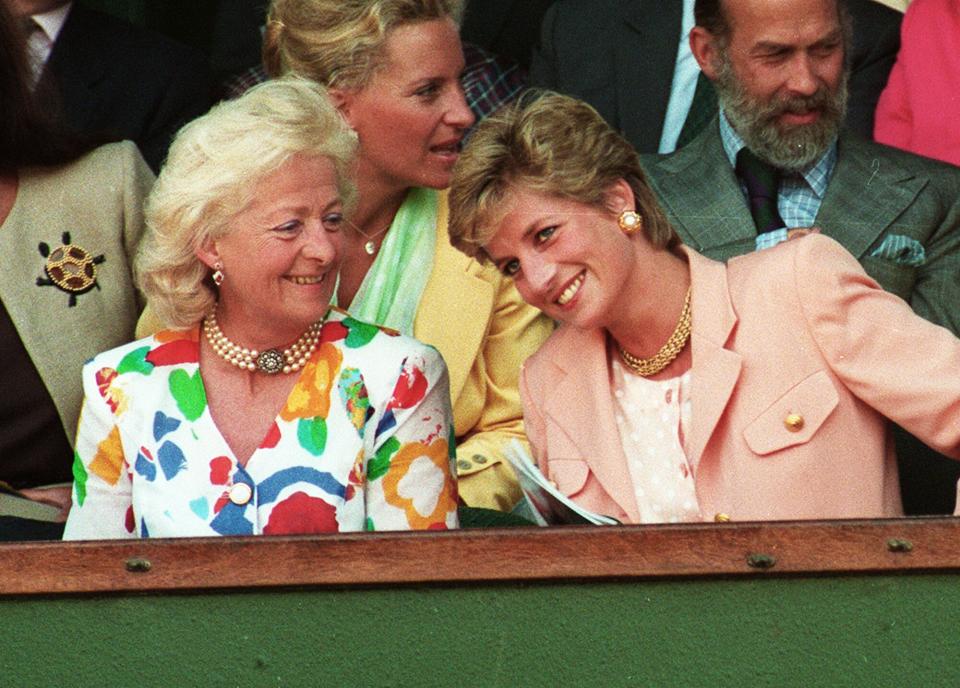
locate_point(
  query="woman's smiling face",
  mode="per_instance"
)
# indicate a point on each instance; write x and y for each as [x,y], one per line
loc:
[567,258]
[280,255]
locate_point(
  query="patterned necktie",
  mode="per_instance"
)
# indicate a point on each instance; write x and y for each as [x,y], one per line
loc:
[761,180]
[702,110]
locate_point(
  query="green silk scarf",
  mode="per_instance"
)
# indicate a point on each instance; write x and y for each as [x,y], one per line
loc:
[391,291]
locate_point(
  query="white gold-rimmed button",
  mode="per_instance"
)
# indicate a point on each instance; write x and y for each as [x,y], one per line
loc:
[240,493]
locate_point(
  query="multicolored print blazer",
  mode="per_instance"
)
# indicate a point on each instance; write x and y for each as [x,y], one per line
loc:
[363,442]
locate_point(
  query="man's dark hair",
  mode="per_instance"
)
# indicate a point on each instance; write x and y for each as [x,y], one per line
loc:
[710,15]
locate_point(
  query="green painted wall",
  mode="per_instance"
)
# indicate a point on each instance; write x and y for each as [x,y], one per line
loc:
[875,631]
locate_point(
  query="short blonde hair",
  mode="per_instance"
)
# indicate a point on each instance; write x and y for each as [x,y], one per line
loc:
[340,43]
[551,144]
[212,169]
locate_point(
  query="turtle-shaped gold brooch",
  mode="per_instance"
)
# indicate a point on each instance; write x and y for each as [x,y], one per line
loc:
[70,268]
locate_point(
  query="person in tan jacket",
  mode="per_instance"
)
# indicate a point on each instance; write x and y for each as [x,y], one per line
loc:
[71,218]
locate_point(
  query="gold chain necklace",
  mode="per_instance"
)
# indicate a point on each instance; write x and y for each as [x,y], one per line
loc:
[371,245]
[270,361]
[668,352]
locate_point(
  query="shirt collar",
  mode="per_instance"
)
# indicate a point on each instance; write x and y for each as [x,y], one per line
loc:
[817,175]
[52,22]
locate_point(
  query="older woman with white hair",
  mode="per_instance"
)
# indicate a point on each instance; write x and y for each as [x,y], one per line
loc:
[249,415]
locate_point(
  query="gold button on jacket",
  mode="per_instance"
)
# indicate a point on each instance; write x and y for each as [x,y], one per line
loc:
[793,422]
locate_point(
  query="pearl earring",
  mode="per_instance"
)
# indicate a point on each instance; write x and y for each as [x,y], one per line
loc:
[630,222]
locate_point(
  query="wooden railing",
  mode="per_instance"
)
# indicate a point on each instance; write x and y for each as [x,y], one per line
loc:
[514,554]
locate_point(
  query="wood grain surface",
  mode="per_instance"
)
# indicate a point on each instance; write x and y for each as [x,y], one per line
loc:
[514,554]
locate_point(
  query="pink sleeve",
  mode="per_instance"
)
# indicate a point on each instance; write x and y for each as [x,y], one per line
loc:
[893,121]
[533,420]
[903,366]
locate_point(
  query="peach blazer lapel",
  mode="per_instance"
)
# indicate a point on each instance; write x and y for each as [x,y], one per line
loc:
[716,369]
[582,415]
[455,307]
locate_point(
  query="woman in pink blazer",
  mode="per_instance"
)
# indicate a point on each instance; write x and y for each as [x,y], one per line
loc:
[771,396]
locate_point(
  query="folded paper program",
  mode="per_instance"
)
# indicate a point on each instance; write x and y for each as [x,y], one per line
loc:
[544,503]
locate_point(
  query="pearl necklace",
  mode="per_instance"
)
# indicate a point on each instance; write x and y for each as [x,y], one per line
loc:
[270,361]
[660,360]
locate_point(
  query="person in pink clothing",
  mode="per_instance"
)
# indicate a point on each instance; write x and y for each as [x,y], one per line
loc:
[679,388]
[919,109]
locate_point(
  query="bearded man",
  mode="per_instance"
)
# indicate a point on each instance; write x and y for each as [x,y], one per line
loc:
[776,158]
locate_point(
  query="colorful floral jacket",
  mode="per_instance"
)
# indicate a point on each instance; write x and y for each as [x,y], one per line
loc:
[363,442]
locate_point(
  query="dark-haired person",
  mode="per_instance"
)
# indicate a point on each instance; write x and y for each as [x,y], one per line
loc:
[112,78]
[71,218]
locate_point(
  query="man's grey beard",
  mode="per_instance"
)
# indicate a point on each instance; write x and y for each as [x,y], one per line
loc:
[793,148]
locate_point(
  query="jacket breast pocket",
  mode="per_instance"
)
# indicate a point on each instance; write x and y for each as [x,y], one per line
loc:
[897,278]
[569,475]
[793,418]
